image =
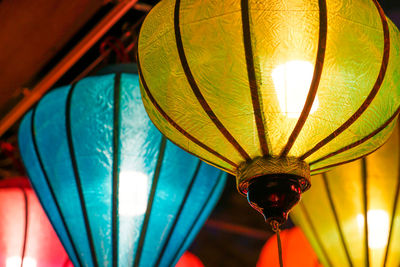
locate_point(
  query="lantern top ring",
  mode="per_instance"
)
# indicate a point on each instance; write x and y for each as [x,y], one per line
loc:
[262,166]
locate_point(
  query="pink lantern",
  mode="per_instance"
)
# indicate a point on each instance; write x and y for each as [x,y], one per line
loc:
[25,232]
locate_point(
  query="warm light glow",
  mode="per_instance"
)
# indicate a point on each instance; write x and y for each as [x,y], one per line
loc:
[378,228]
[16,262]
[292,82]
[133,193]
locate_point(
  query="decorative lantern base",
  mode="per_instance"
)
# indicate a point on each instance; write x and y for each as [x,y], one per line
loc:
[273,185]
[274,195]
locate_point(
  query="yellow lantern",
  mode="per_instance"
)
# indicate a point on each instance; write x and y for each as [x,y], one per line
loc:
[352,215]
[271,89]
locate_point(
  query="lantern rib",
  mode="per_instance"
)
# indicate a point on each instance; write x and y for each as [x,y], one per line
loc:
[371,95]
[47,180]
[319,64]
[26,224]
[66,262]
[365,201]
[174,124]
[395,203]
[77,176]
[254,90]
[197,218]
[150,202]
[361,141]
[391,227]
[196,90]
[314,231]
[343,162]
[339,227]
[188,191]
[203,159]
[115,168]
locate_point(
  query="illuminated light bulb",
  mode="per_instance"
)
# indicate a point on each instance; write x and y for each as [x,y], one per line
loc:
[292,82]
[16,262]
[133,193]
[378,228]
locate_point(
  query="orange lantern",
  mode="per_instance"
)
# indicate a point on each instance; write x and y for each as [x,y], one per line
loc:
[297,252]
[189,260]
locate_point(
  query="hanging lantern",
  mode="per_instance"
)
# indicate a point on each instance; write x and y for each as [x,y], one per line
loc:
[271,90]
[26,236]
[296,250]
[352,215]
[189,260]
[116,191]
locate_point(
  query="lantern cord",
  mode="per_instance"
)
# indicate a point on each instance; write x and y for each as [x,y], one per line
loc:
[275,228]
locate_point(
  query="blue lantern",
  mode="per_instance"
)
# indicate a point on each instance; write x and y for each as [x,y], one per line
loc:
[116,191]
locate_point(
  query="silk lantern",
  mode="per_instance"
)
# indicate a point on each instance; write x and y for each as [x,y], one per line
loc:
[26,236]
[352,217]
[297,251]
[117,192]
[271,89]
[189,260]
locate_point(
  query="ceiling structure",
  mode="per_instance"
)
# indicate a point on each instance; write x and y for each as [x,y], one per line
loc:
[38,37]
[30,38]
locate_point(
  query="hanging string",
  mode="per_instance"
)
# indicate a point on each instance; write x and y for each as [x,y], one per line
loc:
[275,228]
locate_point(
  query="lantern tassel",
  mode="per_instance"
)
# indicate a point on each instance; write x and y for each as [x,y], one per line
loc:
[275,228]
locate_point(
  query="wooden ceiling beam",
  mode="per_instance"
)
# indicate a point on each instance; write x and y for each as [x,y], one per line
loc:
[65,64]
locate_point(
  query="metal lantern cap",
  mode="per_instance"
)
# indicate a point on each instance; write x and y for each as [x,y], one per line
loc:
[273,185]
[262,166]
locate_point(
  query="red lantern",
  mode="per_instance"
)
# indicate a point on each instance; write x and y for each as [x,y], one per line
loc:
[189,260]
[296,251]
[25,231]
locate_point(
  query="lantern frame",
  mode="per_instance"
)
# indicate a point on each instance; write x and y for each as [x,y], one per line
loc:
[186,63]
[162,154]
